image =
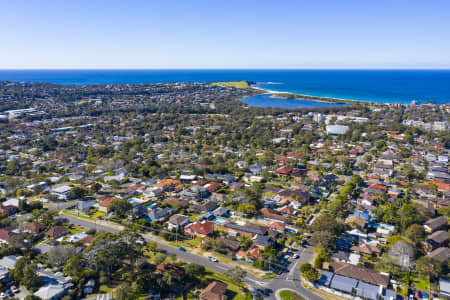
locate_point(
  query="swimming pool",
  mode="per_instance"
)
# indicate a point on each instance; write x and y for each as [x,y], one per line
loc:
[133,200]
[219,220]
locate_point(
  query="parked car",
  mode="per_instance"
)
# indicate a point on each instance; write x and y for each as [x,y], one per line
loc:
[212,258]
[9,293]
[15,289]
[296,256]
[182,249]
[3,296]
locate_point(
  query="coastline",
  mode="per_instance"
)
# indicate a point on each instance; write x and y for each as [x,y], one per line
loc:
[300,97]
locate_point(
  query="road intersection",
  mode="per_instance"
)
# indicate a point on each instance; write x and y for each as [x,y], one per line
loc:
[287,280]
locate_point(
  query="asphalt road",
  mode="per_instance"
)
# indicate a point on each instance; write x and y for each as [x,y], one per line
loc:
[54,206]
[288,280]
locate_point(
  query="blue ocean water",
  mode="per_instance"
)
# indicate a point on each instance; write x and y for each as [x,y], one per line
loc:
[387,86]
[268,100]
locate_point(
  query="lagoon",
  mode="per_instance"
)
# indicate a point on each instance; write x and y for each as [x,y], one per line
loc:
[271,101]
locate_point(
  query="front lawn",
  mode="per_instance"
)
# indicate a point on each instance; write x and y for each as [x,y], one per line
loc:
[65,212]
[269,276]
[288,295]
[422,283]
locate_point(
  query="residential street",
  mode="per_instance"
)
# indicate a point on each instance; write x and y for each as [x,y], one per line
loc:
[287,280]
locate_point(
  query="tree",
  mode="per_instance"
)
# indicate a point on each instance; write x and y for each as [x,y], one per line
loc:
[77,192]
[31,280]
[415,233]
[18,271]
[323,239]
[248,209]
[194,270]
[236,274]
[125,292]
[60,254]
[73,266]
[151,246]
[309,272]
[327,222]
[134,244]
[159,258]
[95,187]
[32,297]
[245,241]
[321,257]
[120,206]
[428,266]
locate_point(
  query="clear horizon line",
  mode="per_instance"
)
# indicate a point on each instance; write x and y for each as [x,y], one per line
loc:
[220,68]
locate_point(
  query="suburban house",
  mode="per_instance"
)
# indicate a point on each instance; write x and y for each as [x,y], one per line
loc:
[271,214]
[31,227]
[441,254]
[203,229]
[61,191]
[248,229]
[262,241]
[358,273]
[56,232]
[5,235]
[372,249]
[435,240]
[438,223]
[104,205]
[284,171]
[177,221]
[157,214]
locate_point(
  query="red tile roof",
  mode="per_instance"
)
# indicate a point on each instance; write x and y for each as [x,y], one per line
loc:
[203,228]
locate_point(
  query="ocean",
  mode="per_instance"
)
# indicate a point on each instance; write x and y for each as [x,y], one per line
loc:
[387,86]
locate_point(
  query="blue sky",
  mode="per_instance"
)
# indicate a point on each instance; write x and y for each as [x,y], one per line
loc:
[225,34]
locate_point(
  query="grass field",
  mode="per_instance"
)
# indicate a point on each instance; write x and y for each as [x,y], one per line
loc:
[422,283]
[236,84]
[65,212]
[288,295]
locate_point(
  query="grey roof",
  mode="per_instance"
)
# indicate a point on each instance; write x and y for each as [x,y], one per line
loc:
[242,228]
[442,254]
[86,205]
[43,248]
[159,213]
[368,291]
[220,211]
[389,295]
[436,222]
[263,240]
[341,255]
[343,283]
[444,286]
[336,129]
[51,291]
[8,262]
[325,278]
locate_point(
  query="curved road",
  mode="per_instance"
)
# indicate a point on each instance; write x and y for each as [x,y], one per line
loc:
[290,280]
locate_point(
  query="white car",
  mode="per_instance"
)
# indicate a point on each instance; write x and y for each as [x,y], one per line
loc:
[212,258]
[3,296]
[296,256]
[15,290]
